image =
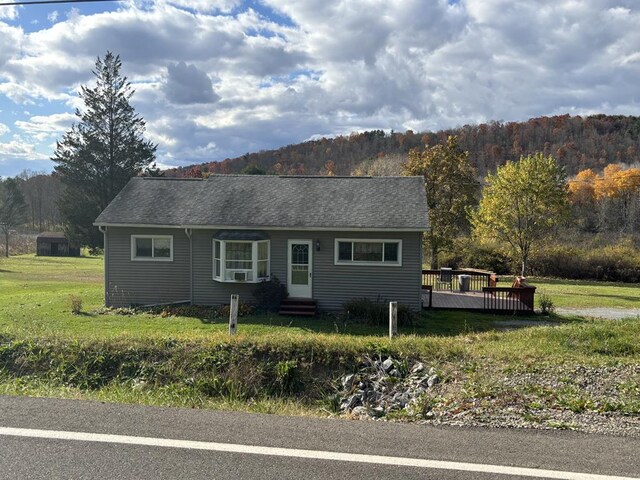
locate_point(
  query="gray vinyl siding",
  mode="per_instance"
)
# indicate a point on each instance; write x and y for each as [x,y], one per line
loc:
[335,284]
[145,282]
[332,284]
[131,282]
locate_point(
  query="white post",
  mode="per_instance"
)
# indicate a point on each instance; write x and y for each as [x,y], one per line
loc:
[233,314]
[393,319]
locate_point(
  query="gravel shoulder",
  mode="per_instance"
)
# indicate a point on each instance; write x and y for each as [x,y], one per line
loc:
[590,399]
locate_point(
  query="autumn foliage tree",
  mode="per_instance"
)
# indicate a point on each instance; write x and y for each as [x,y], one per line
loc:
[451,187]
[521,204]
[613,197]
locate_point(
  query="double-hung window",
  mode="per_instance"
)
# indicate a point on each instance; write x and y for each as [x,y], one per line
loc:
[152,247]
[368,252]
[241,260]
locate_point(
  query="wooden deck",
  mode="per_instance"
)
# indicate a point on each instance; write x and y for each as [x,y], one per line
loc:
[483,292]
[466,301]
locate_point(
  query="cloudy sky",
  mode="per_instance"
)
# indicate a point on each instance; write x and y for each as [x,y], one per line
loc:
[219,78]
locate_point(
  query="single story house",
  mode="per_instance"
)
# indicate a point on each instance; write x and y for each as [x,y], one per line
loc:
[55,244]
[330,239]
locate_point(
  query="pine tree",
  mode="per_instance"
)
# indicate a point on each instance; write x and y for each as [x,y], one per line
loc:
[98,156]
[13,209]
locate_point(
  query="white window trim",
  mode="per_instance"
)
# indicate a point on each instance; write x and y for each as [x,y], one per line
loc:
[134,258]
[336,252]
[254,261]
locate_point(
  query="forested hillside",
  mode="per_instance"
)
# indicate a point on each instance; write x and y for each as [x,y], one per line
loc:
[576,142]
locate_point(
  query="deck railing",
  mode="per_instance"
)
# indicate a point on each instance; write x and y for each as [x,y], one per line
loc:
[519,299]
[496,299]
[479,279]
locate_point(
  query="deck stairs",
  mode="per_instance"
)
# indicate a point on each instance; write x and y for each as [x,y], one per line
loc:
[301,307]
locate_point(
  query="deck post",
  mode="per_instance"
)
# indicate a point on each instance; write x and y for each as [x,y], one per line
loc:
[393,319]
[233,314]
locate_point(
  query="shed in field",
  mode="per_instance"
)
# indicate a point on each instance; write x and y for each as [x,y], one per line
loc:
[55,244]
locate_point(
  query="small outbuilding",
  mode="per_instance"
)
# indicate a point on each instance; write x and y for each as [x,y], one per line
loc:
[55,244]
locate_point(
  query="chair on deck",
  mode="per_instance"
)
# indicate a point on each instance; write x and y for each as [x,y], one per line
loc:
[445,279]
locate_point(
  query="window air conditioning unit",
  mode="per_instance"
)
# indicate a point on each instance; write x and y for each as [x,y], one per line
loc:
[240,276]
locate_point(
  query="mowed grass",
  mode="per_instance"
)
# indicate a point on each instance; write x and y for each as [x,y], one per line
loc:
[35,299]
[45,350]
[588,294]
[34,302]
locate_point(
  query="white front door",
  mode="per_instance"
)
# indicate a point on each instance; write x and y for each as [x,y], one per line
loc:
[300,268]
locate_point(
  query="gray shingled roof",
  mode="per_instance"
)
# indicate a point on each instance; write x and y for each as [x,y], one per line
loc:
[257,201]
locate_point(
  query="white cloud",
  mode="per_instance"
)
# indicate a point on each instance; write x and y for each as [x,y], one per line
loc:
[53,16]
[9,13]
[43,127]
[18,148]
[207,6]
[3,129]
[10,42]
[329,67]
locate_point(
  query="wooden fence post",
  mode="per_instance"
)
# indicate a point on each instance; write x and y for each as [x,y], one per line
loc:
[233,314]
[393,319]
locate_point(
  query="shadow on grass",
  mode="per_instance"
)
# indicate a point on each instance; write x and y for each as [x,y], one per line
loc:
[603,295]
[540,282]
[430,323]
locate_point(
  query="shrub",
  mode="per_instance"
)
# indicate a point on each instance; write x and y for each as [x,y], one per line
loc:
[244,309]
[287,377]
[469,254]
[204,313]
[369,312]
[547,307]
[76,304]
[270,294]
[615,263]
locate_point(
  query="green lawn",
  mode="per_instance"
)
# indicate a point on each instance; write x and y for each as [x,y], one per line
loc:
[35,291]
[35,299]
[45,350]
[586,293]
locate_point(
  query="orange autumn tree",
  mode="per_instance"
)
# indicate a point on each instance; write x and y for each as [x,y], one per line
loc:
[582,188]
[582,198]
[616,190]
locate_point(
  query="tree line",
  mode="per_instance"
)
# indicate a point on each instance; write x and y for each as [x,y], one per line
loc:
[576,142]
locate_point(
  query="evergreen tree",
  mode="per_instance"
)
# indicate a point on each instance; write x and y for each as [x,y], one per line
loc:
[13,209]
[101,152]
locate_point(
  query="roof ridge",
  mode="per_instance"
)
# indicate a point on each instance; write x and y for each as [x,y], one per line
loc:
[318,177]
[169,178]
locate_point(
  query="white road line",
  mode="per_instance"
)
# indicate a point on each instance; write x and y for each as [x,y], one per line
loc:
[297,453]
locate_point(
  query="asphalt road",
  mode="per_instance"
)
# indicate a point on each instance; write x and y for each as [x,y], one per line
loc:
[129,441]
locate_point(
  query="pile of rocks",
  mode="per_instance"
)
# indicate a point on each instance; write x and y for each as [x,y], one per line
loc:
[384,386]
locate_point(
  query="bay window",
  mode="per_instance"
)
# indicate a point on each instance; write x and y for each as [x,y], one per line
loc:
[241,260]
